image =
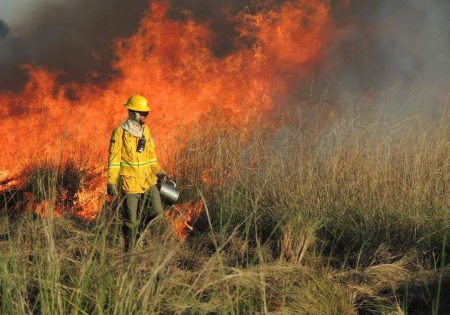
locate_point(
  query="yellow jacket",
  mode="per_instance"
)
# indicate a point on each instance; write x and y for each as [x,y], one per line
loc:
[136,170]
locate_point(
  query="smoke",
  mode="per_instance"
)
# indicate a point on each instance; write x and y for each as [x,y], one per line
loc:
[376,45]
[397,46]
[4,30]
[73,38]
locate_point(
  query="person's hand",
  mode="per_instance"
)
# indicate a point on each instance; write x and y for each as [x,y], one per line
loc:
[111,190]
[162,176]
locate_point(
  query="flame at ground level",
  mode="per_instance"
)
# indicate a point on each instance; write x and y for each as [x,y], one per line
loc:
[183,216]
[85,205]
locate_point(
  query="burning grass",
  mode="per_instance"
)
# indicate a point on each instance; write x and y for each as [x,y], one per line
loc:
[345,217]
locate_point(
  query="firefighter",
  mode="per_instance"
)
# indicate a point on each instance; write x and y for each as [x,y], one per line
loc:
[134,170]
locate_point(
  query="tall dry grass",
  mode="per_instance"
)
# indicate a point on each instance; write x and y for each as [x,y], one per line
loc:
[323,214]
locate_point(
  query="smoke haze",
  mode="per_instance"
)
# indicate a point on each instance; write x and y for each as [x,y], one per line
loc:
[71,37]
[393,44]
[4,30]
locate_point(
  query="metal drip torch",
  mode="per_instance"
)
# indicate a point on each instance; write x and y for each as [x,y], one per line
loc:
[170,195]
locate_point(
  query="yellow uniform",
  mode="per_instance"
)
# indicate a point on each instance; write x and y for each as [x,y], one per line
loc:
[137,171]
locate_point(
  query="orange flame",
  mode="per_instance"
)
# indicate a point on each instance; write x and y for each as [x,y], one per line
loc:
[182,216]
[170,62]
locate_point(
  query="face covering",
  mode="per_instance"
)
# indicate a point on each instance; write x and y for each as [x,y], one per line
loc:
[132,125]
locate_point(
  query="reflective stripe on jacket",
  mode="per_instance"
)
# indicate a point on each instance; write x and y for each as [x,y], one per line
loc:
[136,170]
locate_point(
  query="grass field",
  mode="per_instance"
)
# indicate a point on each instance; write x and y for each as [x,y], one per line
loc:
[324,214]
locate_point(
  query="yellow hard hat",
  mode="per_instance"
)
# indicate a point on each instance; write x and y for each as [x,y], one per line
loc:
[137,103]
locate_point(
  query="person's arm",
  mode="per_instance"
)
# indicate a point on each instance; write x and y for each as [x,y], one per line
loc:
[115,150]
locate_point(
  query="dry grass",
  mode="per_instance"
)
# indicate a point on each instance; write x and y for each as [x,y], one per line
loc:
[344,216]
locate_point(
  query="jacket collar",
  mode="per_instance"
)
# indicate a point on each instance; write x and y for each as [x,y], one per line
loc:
[133,127]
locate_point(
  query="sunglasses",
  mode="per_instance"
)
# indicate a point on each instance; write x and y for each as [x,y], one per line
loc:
[145,114]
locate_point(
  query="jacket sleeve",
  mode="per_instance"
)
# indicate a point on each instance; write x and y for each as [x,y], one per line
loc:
[115,150]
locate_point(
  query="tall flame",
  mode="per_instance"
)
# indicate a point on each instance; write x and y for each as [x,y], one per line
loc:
[171,63]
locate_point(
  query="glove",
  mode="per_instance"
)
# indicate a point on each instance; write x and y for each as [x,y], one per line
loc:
[111,190]
[162,176]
